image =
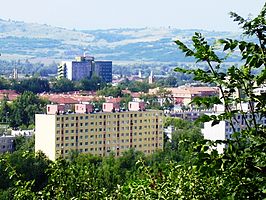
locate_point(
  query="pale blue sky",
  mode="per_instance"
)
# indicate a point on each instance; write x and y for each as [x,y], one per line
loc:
[101,14]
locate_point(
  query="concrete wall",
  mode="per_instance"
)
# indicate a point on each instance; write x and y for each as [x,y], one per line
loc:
[45,134]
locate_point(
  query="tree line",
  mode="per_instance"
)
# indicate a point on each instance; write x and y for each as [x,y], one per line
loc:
[39,85]
[21,112]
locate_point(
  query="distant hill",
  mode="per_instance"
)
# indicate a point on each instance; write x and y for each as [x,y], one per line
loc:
[21,40]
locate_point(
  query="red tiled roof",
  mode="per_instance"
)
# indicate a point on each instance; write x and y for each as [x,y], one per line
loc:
[113,100]
[8,92]
[135,94]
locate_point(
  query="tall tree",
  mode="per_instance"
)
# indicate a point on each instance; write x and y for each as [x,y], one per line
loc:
[35,85]
[24,108]
[4,110]
[62,85]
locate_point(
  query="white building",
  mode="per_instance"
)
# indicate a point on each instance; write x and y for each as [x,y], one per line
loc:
[169,131]
[27,133]
[224,130]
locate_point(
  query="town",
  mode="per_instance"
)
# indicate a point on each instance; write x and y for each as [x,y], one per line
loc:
[162,101]
[132,113]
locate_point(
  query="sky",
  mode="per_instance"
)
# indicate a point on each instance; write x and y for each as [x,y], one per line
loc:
[104,14]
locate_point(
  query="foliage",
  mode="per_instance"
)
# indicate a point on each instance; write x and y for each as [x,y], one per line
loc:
[4,110]
[114,91]
[135,86]
[62,85]
[92,84]
[35,85]
[238,173]
[125,100]
[24,108]
[151,101]
[24,143]
[170,81]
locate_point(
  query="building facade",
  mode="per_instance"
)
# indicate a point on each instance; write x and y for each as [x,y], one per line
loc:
[7,143]
[103,69]
[98,133]
[84,67]
[77,69]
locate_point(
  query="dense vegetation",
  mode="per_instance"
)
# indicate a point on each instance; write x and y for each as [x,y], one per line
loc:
[185,169]
[21,112]
[25,175]
[39,85]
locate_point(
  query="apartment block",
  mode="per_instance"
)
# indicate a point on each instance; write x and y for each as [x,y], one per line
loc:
[99,133]
[85,67]
[76,70]
[103,69]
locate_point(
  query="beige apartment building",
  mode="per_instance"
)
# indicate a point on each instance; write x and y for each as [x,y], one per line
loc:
[98,133]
